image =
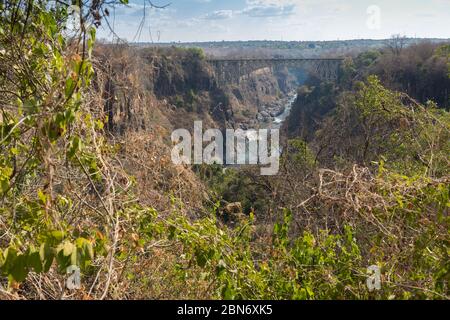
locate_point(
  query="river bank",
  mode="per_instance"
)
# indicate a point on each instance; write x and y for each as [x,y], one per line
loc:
[272,116]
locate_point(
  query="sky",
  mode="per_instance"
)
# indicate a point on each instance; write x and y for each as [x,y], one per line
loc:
[288,20]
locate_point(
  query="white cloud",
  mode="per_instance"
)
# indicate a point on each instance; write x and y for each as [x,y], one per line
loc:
[270,8]
[190,20]
[219,15]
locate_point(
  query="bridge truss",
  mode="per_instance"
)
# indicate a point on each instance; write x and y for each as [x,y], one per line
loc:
[232,71]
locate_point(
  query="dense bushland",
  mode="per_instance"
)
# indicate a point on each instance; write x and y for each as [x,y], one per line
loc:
[419,71]
[378,166]
[370,187]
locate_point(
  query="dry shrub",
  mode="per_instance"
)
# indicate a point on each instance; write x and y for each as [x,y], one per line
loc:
[157,178]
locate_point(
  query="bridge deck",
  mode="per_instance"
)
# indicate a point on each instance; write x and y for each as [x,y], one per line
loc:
[272,59]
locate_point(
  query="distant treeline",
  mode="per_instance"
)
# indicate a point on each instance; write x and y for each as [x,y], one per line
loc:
[288,44]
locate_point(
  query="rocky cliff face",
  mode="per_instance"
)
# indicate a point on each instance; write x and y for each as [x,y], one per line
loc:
[144,88]
[147,93]
[313,103]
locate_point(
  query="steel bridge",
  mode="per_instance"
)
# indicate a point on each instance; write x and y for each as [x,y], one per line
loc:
[232,71]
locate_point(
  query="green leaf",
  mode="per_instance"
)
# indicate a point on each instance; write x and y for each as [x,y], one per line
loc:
[69,115]
[4,185]
[57,235]
[85,252]
[70,87]
[34,261]
[89,250]
[91,41]
[75,146]
[68,248]
[19,271]
[42,197]
[74,257]
[93,31]
[5,174]
[47,254]
[62,261]
[9,256]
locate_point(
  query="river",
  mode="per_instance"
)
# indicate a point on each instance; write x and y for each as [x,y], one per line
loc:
[284,106]
[278,122]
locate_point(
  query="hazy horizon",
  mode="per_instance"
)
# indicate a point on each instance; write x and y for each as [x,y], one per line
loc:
[266,40]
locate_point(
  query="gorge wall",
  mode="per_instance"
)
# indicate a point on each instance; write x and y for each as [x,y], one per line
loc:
[147,93]
[144,88]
